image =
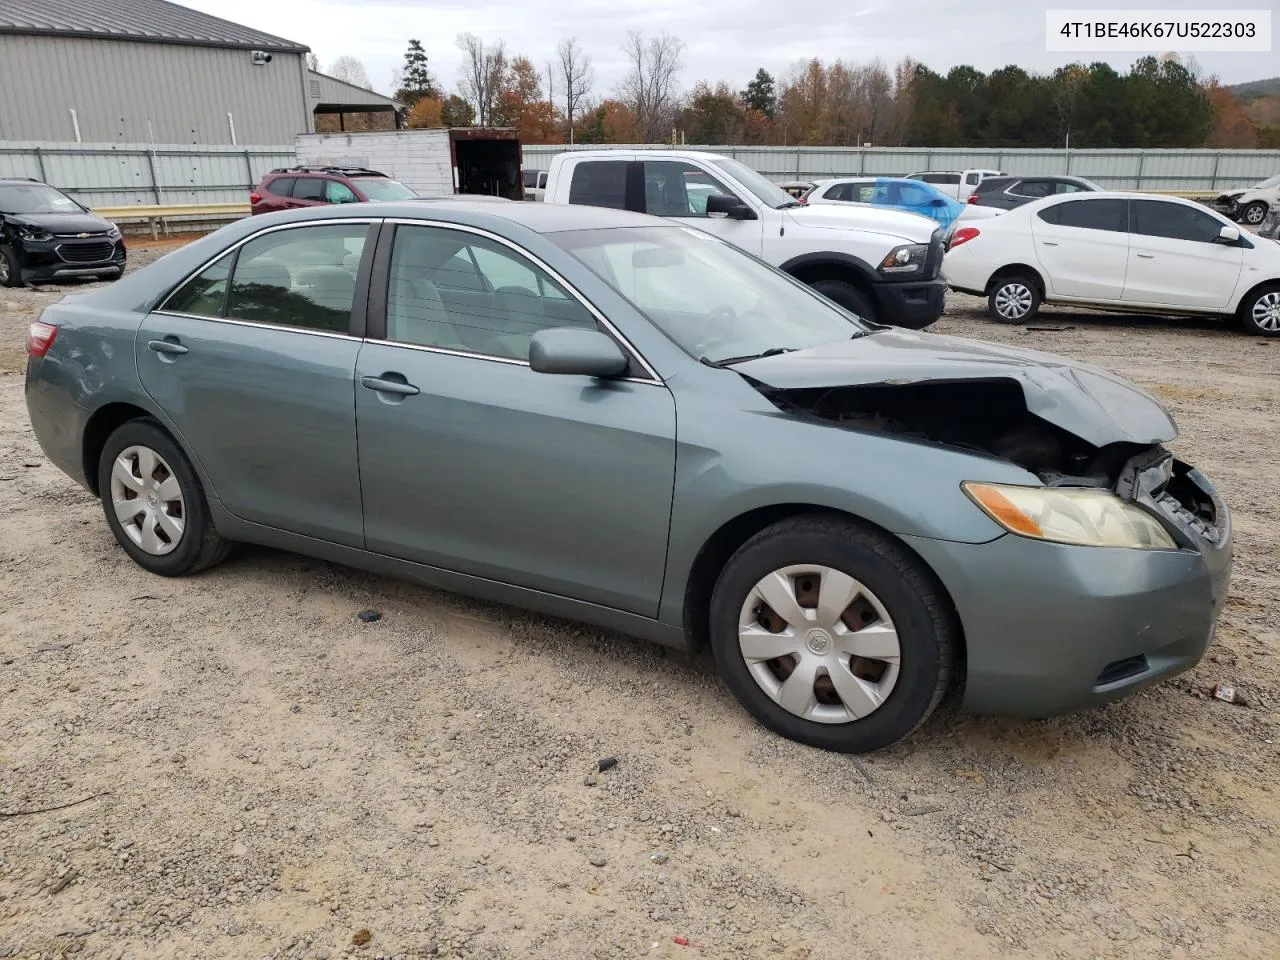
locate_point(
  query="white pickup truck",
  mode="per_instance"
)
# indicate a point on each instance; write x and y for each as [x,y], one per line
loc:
[880,264]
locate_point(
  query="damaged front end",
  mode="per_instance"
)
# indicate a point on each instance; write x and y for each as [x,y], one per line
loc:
[990,417]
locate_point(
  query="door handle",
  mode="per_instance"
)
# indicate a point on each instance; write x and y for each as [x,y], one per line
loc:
[385,385]
[1146,256]
[1050,243]
[167,346]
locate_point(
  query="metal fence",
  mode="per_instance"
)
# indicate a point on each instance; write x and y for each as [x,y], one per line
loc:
[123,174]
[1188,170]
[120,174]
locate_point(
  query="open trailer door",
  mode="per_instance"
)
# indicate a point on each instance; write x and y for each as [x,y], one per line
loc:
[486,160]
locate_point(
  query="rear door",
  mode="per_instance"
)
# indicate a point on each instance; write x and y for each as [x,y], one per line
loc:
[1176,258]
[472,462]
[307,192]
[253,359]
[1083,246]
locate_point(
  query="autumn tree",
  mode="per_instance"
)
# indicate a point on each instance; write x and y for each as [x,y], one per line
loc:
[456,111]
[576,78]
[416,79]
[428,112]
[712,115]
[611,121]
[650,87]
[483,70]
[520,104]
[1232,128]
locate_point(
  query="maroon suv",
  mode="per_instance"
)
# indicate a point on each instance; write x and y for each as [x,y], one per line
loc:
[286,188]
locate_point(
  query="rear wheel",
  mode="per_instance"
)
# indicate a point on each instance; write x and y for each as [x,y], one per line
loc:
[10,272]
[154,503]
[831,634]
[1014,298]
[849,297]
[1260,312]
[1254,213]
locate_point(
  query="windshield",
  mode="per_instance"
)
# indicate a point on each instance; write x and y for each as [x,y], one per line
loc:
[717,303]
[1268,183]
[381,188]
[35,198]
[765,190]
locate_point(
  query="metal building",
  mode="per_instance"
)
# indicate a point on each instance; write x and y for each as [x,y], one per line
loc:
[147,71]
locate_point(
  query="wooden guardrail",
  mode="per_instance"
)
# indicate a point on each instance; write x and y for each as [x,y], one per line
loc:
[158,214]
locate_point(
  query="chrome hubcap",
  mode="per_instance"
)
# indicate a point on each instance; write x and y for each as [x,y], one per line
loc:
[1013,301]
[1254,214]
[1266,312]
[819,643]
[147,499]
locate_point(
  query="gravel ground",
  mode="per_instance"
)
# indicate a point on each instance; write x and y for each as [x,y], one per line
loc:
[271,777]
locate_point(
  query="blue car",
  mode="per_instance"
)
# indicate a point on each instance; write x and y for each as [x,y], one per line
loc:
[909,196]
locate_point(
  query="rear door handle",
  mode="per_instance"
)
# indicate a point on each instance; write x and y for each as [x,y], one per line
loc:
[384,385]
[167,346]
[1050,243]
[1146,256]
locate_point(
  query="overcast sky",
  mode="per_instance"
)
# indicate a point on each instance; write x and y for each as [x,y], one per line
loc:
[726,39]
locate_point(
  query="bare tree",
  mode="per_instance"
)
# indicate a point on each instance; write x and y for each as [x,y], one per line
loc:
[650,88]
[313,62]
[350,70]
[578,76]
[482,74]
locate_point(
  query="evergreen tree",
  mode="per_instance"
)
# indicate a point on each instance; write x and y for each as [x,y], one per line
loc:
[416,81]
[760,94]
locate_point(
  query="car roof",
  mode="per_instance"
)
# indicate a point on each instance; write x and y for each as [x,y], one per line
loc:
[538,217]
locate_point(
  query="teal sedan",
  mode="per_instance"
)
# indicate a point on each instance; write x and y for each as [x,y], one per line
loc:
[629,422]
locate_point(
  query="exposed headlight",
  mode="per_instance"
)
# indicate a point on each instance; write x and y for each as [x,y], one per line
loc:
[906,259]
[35,234]
[113,233]
[1087,518]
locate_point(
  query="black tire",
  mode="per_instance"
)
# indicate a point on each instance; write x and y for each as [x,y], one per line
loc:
[849,297]
[10,272]
[1254,213]
[914,601]
[1250,322]
[1007,289]
[199,546]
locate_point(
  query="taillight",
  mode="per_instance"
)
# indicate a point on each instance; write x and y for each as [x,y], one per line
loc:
[973,198]
[40,337]
[255,198]
[963,235]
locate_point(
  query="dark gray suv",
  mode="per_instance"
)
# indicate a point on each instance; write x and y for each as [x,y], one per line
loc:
[1009,192]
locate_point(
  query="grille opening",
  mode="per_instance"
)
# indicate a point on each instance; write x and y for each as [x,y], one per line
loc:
[1122,670]
[86,252]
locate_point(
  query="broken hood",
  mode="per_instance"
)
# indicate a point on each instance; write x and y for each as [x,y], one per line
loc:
[1083,400]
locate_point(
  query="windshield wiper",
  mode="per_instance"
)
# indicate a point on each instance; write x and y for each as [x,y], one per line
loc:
[730,361]
[789,205]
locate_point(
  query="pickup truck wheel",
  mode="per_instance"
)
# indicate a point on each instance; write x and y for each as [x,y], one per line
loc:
[1013,299]
[831,634]
[1254,213]
[849,297]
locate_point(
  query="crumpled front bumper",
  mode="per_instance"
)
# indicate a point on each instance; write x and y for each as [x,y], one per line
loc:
[1050,628]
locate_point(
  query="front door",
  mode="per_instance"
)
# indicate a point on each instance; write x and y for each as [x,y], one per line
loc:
[252,360]
[472,462]
[1176,257]
[1083,246]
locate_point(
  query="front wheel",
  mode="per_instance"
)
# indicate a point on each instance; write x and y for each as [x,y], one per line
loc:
[1254,213]
[154,503]
[10,272]
[1013,299]
[831,634]
[1260,312]
[849,297]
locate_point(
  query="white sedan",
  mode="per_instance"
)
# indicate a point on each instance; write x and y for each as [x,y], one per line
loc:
[1134,252]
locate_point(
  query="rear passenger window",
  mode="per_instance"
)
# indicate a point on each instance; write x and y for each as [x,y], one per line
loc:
[281,186]
[426,305]
[205,293]
[1089,215]
[840,191]
[308,188]
[600,183]
[305,277]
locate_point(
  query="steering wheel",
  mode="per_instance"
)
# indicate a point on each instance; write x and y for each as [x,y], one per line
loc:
[721,328]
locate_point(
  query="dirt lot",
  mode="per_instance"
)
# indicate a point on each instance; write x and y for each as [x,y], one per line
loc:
[272,777]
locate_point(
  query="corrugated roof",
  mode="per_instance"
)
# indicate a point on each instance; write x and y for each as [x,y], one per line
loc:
[152,21]
[325,89]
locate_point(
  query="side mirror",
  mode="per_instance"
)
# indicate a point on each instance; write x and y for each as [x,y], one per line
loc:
[1229,235]
[718,205]
[576,351]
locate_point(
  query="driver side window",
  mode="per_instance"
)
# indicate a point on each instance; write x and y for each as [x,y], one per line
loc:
[675,189]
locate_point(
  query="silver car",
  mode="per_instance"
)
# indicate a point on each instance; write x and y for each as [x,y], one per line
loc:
[628,422]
